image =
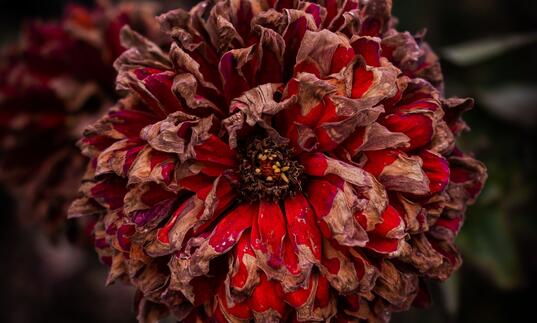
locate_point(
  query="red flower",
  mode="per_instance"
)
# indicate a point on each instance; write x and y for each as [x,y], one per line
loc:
[54,82]
[284,161]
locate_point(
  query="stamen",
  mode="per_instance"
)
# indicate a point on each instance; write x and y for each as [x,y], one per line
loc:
[261,175]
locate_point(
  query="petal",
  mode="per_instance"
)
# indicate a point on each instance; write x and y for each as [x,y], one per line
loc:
[368,48]
[214,150]
[341,116]
[374,137]
[313,303]
[267,302]
[302,296]
[417,127]
[338,268]
[342,57]
[109,192]
[324,304]
[148,204]
[392,225]
[371,197]
[225,235]
[293,38]
[243,275]
[447,228]
[318,47]
[390,247]
[302,229]
[268,233]
[454,108]
[468,173]
[436,168]
[334,207]
[161,244]
[151,165]
[118,157]
[362,80]
[397,287]
[422,255]
[311,93]
[450,256]
[233,70]
[160,86]
[233,311]
[271,47]
[398,172]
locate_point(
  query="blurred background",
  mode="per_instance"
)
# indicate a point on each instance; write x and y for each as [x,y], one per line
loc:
[488,50]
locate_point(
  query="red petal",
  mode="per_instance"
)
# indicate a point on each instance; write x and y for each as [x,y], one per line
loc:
[322,295]
[267,299]
[314,164]
[130,121]
[110,192]
[353,143]
[418,127]
[321,195]
[331,11]
[369,49]
[234,83]
[214,150]
[293,38]
[362,81]
[160,85]
[301,226]
[230,227]
[267,235]
[383,245]
[300,297]
[390,225]
[342,57]
[162,233]
[239,311]
[242,278]
[436,168]
[377,160]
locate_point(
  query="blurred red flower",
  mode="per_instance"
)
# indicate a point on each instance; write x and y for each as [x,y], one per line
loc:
[55,80]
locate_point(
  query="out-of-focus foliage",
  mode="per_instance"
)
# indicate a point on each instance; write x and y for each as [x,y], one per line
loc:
[477,51]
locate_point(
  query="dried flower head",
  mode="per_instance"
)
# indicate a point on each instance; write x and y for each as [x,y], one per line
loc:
[283,161]
[55,80]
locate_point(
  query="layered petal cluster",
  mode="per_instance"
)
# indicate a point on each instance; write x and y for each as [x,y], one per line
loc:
[283,161]
[55,80]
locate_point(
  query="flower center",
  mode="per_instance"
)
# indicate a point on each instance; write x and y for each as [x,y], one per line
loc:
[267,171]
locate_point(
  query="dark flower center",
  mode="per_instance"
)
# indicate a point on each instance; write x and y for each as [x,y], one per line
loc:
[267,171]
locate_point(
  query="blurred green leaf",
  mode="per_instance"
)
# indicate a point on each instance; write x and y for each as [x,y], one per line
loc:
[486,240]
[512,102]
[477,51]
[450,290]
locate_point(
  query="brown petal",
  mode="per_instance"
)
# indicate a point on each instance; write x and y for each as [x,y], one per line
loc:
[405,174]
[371,198]
[422,255]
[338,268]
[141,52]
[256,106]
[397,287]
[318,47]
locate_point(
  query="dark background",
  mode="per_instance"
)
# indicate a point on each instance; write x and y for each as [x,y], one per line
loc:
[489,52]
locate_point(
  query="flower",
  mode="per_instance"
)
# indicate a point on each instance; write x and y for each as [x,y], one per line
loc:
[283,161]
[55,80]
